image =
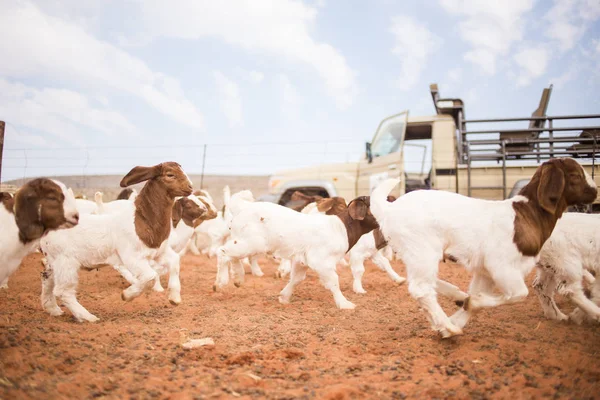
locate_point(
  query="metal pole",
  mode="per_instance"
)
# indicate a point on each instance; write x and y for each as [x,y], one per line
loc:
[2,125]
[203,163]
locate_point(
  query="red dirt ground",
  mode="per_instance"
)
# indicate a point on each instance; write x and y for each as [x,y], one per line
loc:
[306,349]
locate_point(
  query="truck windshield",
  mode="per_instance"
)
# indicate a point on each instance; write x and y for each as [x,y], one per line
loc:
[389,136]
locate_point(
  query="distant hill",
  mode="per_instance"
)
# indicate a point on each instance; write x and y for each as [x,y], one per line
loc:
[109,185]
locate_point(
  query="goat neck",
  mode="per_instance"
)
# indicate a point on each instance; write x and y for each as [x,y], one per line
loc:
[153,207]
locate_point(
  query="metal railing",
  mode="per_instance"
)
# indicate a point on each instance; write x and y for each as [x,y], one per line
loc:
[566,142]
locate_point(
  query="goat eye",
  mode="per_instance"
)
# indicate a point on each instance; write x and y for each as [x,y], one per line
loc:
[170,176]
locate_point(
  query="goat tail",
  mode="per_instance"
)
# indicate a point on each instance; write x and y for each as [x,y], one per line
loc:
[226,195]
[379,202]
[99,202]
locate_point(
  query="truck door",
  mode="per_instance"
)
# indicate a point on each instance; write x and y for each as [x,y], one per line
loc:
[386,155]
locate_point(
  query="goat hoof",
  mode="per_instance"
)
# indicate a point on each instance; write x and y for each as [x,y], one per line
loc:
[237,284]
[446,334]
[214,287]
[400,280]
[55,312]
[359,291]
[347,306]
[459,303]
[88,318]
[284,300]
[174,302]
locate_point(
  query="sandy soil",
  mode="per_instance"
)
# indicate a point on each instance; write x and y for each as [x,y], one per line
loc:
[307,349]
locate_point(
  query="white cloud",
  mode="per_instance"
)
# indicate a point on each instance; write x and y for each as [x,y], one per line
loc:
[43,45]
[290,98]
[229,99]
[62,113]
[490,27]
[533,62]
[567,76]
[256,77]
[279,27]
[569,19]
[414,43]
[27,139]
[251,76]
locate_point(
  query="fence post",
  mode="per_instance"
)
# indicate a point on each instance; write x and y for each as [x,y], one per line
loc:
[2,125]
[203,163]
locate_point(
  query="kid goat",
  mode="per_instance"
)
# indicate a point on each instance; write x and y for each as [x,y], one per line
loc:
[39,206]
[565,261]
[315,241]
[497,240]
[130,236]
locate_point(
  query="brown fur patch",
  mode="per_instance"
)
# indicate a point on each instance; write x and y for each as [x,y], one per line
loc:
[332,205]
[299,200]
[186,210]
[556,185]
[154,204]
[358,219]
[38,209]
[124,194]
[8,201]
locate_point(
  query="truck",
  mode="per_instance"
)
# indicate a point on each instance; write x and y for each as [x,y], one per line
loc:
[447,151]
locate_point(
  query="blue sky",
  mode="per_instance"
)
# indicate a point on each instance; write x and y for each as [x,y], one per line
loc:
[100,86]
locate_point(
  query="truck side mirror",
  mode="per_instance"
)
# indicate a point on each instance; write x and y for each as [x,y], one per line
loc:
[369,154]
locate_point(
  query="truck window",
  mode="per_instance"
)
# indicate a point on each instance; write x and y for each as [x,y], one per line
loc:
[389,137]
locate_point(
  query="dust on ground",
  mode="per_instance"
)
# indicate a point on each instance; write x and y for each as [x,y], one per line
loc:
[306,349]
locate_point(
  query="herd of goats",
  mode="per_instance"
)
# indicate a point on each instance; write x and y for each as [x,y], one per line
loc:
[143,235]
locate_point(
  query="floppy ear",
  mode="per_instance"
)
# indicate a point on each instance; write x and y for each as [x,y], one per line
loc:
[551,187]
[177,212]
[140,174]
[297,195]
[28,216]
[324,205]
[358,209]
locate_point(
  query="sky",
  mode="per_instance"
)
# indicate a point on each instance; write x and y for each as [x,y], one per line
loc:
[99,86]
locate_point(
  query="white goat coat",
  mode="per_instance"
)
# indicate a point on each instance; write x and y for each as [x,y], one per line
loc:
[283,232]
[574,245]
[478,233]
[86,206]
[99,239]
[572,250]
[12,250]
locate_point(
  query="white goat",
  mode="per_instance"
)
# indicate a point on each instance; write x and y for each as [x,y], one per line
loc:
[365,248]
[497,240]
[315,241]
[568,255]
[39,207]
[131,237]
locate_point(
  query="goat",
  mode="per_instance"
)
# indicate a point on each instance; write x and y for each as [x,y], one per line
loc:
[131,236]
[188,212]
[38,208]
[566,258]
[497,240]
[315,241]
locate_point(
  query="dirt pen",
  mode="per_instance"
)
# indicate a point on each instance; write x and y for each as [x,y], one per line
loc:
[306,349]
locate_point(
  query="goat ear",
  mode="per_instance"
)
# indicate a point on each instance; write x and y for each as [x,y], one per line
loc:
[177,212]
[551,187]
[140,174]
[358,210]
[324,205]
[28,216]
